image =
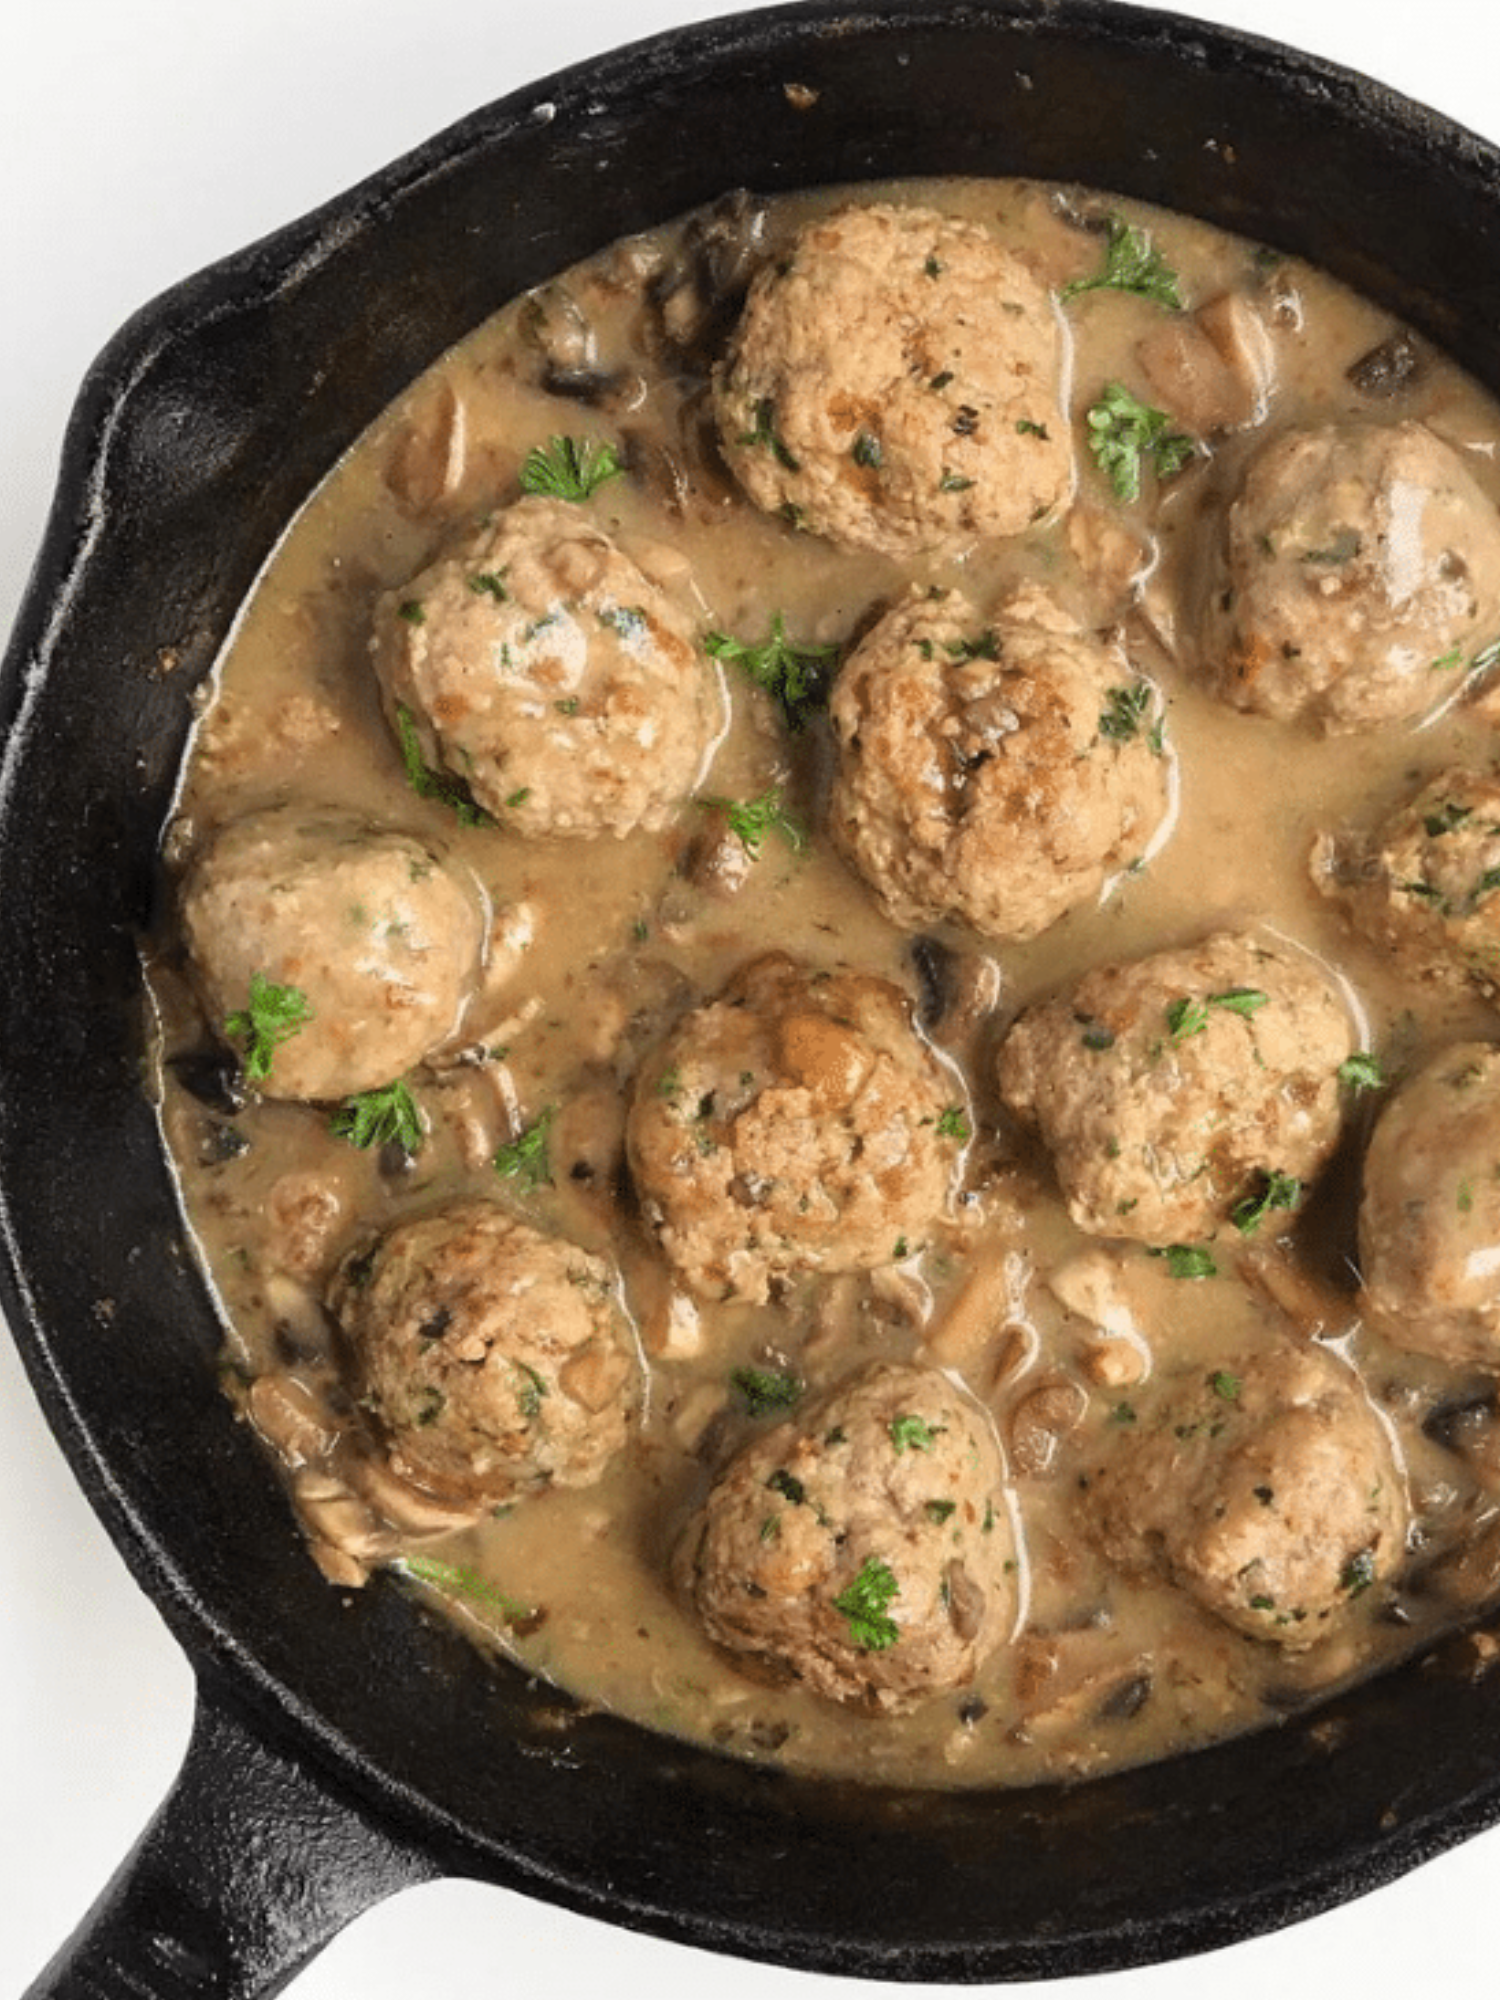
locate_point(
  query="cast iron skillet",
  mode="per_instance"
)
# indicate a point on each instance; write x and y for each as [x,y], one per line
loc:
[347,1746]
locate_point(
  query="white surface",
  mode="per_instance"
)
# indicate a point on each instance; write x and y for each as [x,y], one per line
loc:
[138,142]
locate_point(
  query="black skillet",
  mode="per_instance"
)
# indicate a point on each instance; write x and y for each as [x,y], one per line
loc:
[346,1746]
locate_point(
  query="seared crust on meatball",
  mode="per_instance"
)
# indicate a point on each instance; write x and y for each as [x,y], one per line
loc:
[990,772]
[1426,888]
[797,1123]
[1429,1220]
[894,385]
[535,662]
[1169,1089]
[1266,1488]
[1362,577]
[492,1359]
[864,1548]
[383,939]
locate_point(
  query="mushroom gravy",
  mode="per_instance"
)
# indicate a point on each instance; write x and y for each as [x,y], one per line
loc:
[1059,1335]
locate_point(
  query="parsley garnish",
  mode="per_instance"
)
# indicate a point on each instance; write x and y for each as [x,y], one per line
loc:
[939,1510]
[1358,1573]
[273,1015]
[766,1389]
[1127,709]
[863,1604]
[525,1159]
[569,468]
[439,785]
[911,1433]
[1132,263]
[795,676]
[750,820]
[1276,1190]
[378,1117]
[953,1124]
[1124,432]
[1188,1260]
[1362,1071]
[1190,1017]
[488,583]
[763,420]
[1225,1386]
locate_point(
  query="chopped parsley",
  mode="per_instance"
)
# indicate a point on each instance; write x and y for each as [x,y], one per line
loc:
[525,1159]
[1190,1017]
[411,610]
[953,1124]
[763,432]
[939,1510]
[569,468]
[1128,707]
[1132,263]
[272,1016]
[1358,1573]
[379,1118]
[866,451]
[797,677]
[1225,1386]
[430,784]
[529,1396]
[1275,1190]
[864,1603]
[1188,1260]
[488,583]
[912,1433]
[1362,1071]
[766,1389]
[788,1485]
[750,820]
[1124,433]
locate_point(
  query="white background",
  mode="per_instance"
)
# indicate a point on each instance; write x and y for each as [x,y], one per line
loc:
[139,140]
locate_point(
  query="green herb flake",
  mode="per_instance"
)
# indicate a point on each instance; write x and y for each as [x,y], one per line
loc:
[953,1124]
[272,1015]
[1132,264]
[531,1392]
[954,482]
[1448,816]
[1123,1413]
[383,1117]
[489,583]
[867,451]
[795,676]
[1127,709]
[525,1159]
[569,468]
[763,432]
[1358,1573]
[1186,1018]
[1187,1260]
[1362,1071]
[1026,427]
[411,610]
[1274,1190]
[1225,1386]
[766,1389]
[939,1511]
[440,785]
[864,1603]
[1342,548]
[912,1433]
[788,1486]
[1124,434]
[750,820]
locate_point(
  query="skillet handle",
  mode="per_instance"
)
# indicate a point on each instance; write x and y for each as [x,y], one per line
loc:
[251,1865]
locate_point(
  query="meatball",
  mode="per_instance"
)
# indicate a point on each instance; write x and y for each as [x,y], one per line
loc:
[865,1547]
[1171,1089]
[894,384]
[1424,889]
[798,1122]
[1429,1219]
[1266,1488]
[1363,574]
[492,1359]
[994,773]
[535,662]
[382,939]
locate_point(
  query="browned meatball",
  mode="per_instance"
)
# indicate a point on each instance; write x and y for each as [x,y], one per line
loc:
[1363,575]
[1429,1222]
[1265,1488]
[865,1547]
[537,663]
[1426,888]
[379,939]
[493,1359]
[1170,1089]
[895,385]
[994,772]
[796,1123]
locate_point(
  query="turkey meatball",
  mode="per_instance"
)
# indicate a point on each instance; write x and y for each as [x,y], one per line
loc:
[894,384]
[799,1122]
[865,1547]
[1363,575]
[493,1360]
[993,773]
[1267,1489]
[1169,1090]
[1426,889]
[539,666]
[1429,1220]
[378,939]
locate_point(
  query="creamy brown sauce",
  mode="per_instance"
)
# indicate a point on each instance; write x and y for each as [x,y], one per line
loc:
[574,1585]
